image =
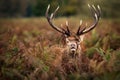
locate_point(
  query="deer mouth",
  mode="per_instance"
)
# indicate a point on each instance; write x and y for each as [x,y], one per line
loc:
[73,53]
[73,50]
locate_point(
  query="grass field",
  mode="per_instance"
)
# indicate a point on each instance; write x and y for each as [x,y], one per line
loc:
[27,50]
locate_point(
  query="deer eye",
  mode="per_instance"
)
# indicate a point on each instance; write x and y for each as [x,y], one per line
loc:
[78,40]
[67,41]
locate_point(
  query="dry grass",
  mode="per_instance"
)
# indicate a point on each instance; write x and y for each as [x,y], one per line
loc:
[31,50]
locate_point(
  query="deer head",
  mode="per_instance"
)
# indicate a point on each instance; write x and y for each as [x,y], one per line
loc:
[73,40]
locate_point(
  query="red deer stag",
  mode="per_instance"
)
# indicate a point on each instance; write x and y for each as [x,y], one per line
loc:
[73,40]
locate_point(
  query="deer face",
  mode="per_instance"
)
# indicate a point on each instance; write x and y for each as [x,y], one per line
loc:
[73,40]
[73,43]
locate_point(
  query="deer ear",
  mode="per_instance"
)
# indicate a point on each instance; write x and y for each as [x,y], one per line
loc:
[81,38]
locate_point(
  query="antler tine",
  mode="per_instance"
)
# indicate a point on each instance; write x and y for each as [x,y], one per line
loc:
[68,31]
[93,10]
[55,11]
[47,11]
[96,14]
[62,28]
[78,31]
[99,10]
[66,23]
[53,14]
[50,20]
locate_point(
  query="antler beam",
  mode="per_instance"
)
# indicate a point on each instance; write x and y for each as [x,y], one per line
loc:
[96,12]
[49,18]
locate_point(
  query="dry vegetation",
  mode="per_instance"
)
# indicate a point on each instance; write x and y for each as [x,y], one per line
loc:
[31,50]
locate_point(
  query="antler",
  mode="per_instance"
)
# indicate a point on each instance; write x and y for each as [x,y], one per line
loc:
[96,15]
[49,18]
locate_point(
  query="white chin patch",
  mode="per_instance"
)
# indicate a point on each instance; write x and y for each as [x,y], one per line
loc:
[73,50]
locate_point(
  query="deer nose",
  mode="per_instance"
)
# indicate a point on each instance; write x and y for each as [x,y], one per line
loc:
[72,45]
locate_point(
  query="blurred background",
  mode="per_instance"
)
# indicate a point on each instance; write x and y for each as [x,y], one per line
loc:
[35,8]
[26,40]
